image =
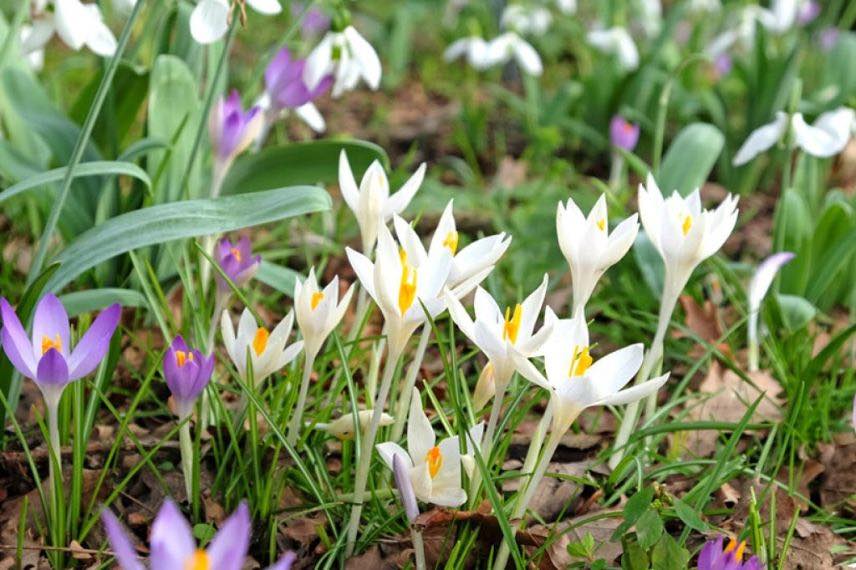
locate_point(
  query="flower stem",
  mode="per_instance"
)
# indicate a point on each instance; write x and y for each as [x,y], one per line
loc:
[754,356]
[297,417]
[418,548]
[217,178]
[489,432]
[186,446]
[55,463]
[536,443]
[409,384]
[367,445]
[616,171]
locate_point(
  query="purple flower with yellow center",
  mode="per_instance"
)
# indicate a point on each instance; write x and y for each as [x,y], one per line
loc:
[231,128]
[237,262]
[714,557]
[623,134]
[47,357]
[187,373]
[285,86]
[172,546]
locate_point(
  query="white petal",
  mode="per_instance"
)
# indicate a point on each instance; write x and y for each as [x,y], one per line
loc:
[365,55]
[420,434]
[764,276]
[209,21]
[613,371]
[320,61]
[527,57]
[347,183]
[72,22]
[827,136]
[267,7]
[762,139]
[399,201]
[310,115]
[634,393]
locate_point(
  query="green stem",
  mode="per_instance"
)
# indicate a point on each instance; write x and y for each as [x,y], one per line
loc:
[409,383]
[297,417]
[418,548]
[186,445]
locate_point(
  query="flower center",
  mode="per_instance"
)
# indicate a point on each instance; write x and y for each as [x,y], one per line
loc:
[601,224]
[260,341]
[49,343]
[317,297]
[198,561]
[737,549]
[407,285]
[687,225]
[236,253]
[182,357]
[581,360]
[512,323]
[434,459]
[451,242]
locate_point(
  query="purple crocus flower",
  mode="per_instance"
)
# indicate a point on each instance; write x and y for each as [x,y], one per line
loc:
[315,20]
[722,65]
[237,262]
[187,373]
[172,546]
[285,86]
[808,12]
[48,358]
[714,557]
[622,133]
[828,38]
[231,128]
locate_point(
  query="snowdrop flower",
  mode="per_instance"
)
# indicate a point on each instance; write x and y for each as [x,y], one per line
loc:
[758,287]
[589,247]
[348,57]
[400,288]
[682,232]
[77,24]
[649,16]
[187,372]
[526,19]
[785,14]
[237,262]
[501,335]
[209,20]
[371,202]
[474,48]
[343,426]
[826,137]
[616,41]
[172,544]
[714,557]
[623,133]
[232,129]
[470,265]
[268,351]
[567,6]
[434,469]
[510,45]
[33,38]
[704,6]
[318,311]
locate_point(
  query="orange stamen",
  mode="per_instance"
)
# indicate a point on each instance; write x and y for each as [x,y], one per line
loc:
[182,357]
[198,561]
[434,458]
[260,341]
[48,343]
[317,297]
[511,327]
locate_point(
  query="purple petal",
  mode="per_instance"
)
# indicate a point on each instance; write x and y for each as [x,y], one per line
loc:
[275,70]
[126,556]
[89,352]
[49,323]
[709,554]
[285,562]
[405,487]
[229,547]
[16,343]
[623,134]
[52,370]
[171,541]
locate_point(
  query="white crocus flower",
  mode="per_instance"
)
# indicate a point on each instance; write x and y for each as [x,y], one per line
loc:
[588,246]
[318,311]
[348,56]
[474,48]
[401,288]
[526,19]
[758,287]
[434,468]
[826,137]
[209,20]
[682,232]
[343,426]
[371,202]
[269,350]
[616,41]
[77,24]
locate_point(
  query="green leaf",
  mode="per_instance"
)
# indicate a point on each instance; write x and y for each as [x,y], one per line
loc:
[668,555]
[91,300]
[314,162]
[838,73]
[649,528]
[280,278]
[633,510]
[797,311]
[649,262]
[98,168]
[690,158]
[688,515]
[634,556]
[191,218]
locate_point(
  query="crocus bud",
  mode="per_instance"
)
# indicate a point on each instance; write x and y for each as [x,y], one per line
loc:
[405,487]
[232,129]
[623,134]
[187,373]
[237,262]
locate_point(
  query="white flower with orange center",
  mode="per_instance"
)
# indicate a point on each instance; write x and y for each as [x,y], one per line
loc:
[588,245]
[268,351]
[434,468]
[318,311]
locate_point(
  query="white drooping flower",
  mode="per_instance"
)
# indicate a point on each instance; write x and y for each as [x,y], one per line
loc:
[616,41]
[474,48]
[481,54]
[434,468]
[649,15]
[567,6]
[343,426]
[268,351]
[576,381]
[371,202]
[77,24]
[209,20]
[318,311]
[348,56]
[470,266]
[526,19]
[400,288]
[588,246]
[682,231]
[500,336]
[826,137]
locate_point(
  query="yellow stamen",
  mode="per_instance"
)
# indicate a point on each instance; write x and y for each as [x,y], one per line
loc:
[182,357]
[260,341]
[451,242]
[687,225]
[402,255]
[434,458]
[512,326]
[737,549]
[48,343]
[198,561]
[317,297]
[601,224]
[407,285]
[581,360]
[236,253]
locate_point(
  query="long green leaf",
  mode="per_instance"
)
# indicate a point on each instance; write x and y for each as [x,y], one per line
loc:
[690,158]
[280,278]
[191,218]
[90,300]
[97,168]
